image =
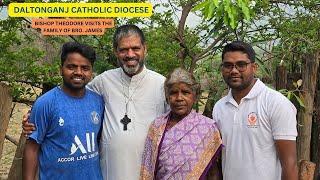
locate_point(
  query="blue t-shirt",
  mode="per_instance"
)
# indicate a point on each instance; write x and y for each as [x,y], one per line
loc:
[67,129]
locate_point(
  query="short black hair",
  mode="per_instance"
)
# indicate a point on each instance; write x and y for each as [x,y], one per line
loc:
[75,47]
[127,30]
[240,46]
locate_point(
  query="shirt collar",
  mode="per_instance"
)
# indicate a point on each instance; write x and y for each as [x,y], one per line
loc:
[255,91]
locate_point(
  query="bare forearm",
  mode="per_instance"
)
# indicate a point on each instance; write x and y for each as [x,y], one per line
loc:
[30,160]
[286,150]
[290,173]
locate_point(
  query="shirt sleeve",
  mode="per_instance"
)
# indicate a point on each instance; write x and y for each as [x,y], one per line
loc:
[215,116]
[95,85]
[40,117]
[283,119]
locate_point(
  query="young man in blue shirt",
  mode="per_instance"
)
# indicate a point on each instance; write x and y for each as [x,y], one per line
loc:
[67,120]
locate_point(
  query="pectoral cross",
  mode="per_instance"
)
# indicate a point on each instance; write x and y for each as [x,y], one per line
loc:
[125,121]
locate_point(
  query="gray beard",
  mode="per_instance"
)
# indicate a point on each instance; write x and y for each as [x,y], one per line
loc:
[132,70]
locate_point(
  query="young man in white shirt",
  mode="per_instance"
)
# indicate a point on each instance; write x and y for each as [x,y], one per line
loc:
[257,124]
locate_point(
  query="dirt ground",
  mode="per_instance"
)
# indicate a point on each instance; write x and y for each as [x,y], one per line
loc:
[14,130]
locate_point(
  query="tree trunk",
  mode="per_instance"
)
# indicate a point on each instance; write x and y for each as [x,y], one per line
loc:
[16,167]
[209,105]
[309,77]
[281,77]
[215,93]
[5,109]
[306,170]
[315,139]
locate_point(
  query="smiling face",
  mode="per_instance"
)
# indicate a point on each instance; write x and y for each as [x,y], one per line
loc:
[130,54]
[238,80]
[76,72]
[181,99]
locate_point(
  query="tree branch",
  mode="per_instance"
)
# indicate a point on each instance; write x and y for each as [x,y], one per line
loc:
[263,49]
[11,139]
[291,3]
[24,101]
[184,51]
[211,46]
[213,50]
[185,12]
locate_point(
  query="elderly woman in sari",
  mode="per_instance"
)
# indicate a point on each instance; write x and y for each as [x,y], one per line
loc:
[181,144]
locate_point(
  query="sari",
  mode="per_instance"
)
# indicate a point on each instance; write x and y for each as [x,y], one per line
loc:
[185,151]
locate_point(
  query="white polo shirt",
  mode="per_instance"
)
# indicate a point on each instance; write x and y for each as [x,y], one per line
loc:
[248,132]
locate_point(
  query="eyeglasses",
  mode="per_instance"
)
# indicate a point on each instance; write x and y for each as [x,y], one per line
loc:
[241,66]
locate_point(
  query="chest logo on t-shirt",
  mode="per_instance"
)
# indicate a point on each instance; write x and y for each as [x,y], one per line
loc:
[95,117]
[252,120]
[61,121]
[82,148]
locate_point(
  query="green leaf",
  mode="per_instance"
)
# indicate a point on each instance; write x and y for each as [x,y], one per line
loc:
[216,3]
[226,19]
[299,100]
[232,18]
[226,5]
[201,5]
[283,91]
[289,95]
[233,23]
[210,10]
[246,12]
[219,12]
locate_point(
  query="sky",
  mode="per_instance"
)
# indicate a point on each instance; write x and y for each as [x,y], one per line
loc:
[3,12]
[192,19]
